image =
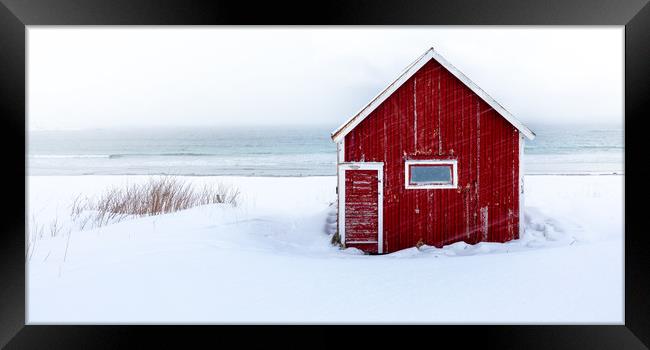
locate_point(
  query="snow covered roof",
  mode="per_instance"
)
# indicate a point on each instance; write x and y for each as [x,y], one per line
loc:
[408,72]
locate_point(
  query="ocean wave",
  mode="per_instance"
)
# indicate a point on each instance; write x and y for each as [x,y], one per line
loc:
[56,156]
[171,154]
[123,155]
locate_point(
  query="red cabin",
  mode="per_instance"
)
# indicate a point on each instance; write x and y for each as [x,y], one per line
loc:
[430,160]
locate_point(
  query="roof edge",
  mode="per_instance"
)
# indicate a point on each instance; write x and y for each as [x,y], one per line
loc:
[407,73]
[404,75]
[484,95]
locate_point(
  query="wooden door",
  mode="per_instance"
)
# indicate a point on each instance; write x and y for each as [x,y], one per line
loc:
[362,207]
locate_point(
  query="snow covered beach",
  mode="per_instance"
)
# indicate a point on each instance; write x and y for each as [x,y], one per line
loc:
[269,260]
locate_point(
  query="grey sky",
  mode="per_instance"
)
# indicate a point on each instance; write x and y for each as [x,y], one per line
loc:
[96,77]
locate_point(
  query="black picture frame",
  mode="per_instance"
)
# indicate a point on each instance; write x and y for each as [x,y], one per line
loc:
[15,15]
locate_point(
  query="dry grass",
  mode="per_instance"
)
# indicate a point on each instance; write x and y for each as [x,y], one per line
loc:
[37,231]
[159,195]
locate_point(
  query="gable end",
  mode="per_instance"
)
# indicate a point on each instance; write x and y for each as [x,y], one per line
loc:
[407,73]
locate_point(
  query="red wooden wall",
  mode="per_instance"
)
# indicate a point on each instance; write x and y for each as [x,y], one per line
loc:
[435,116]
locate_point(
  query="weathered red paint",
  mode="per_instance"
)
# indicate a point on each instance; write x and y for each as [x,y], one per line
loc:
[434,115]
[361,208]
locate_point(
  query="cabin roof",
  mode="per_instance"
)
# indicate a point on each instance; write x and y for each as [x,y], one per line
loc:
[408,72]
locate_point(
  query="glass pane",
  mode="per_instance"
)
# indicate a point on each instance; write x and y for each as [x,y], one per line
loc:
[421,174]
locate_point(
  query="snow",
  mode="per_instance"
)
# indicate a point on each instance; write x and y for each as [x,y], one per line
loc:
[269,260]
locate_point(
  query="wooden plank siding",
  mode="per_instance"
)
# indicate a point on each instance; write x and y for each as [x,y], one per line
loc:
[361,206]
[434,115]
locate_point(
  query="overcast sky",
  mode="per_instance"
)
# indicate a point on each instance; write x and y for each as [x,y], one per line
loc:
[98,77]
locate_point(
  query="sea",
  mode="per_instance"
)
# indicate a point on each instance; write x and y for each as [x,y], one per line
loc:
[278,151]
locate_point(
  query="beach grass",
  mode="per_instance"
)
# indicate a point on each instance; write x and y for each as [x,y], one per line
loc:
[159,195]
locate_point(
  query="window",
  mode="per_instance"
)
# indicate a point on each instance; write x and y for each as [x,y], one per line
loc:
[431,174]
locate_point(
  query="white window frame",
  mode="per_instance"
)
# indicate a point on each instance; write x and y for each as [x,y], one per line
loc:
[446,185]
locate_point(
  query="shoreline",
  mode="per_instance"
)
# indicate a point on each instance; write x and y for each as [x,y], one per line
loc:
[300,176]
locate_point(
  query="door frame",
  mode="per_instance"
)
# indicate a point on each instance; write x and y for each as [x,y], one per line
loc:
[379,167]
